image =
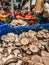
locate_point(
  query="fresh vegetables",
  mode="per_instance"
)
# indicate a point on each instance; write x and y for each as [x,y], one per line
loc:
[3,17]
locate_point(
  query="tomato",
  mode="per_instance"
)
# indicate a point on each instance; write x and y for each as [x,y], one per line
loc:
[19,17]
[23,14]
[16,13]
[29,16]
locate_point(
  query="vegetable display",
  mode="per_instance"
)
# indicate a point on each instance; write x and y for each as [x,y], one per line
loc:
[27,48]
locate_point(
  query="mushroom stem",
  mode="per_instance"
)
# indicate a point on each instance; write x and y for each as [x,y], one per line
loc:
[11,61]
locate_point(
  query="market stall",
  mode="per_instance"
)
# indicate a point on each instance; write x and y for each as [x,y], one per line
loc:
[24,32]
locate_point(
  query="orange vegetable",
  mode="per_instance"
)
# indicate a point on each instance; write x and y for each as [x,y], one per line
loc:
[19,17]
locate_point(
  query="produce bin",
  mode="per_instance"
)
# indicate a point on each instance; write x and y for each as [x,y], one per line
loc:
[5,28]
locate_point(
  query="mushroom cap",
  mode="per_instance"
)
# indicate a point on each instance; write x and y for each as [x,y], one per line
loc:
[18,22]
[45,60]
[42,42]
[25,47]
[45,36]
[28,52]
[24,41]
[11,39]
[38,64]
[36,59]
[32,35]
[33,48]
[3,37]
[25,59]
[30,62]
[10,35]
[45,54]
[30,31]
[44,30]
[18,44]
[6,39]
[39,35]
[22,35]
[12,24]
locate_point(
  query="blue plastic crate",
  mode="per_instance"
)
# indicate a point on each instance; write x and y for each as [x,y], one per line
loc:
[4,29]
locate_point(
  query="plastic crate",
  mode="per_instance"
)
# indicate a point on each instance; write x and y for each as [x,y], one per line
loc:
[4,29]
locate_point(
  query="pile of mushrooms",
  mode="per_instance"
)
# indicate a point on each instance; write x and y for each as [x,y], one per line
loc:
[18,22]
[28,48]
